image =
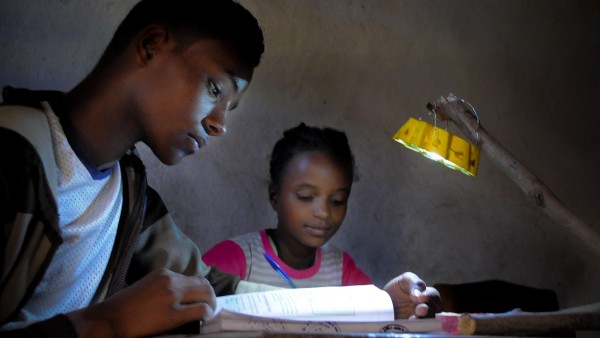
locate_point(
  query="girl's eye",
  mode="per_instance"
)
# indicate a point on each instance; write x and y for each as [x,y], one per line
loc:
[305,198]
[213,89]
[339,201]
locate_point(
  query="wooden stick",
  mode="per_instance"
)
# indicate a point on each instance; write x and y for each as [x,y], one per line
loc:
[527,323]
[537,192]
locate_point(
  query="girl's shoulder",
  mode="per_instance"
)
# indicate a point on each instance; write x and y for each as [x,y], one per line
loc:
[331,248]
[252,237]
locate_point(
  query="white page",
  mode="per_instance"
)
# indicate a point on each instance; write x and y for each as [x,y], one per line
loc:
[350,303]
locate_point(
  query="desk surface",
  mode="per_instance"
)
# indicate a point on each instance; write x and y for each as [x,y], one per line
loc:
[563,323]
[324,335]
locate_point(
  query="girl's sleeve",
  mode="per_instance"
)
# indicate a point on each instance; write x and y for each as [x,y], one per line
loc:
[228,257]
[352,274]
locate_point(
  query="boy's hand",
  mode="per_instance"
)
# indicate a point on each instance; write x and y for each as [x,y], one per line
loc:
[160,301]
[412,298]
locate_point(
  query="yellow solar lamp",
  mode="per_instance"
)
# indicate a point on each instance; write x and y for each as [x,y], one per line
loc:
[439,145]
[461,155]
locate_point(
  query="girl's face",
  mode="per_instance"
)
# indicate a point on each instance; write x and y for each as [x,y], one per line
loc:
[312,200]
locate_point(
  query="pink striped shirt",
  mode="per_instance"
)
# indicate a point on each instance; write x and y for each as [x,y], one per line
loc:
[244,256]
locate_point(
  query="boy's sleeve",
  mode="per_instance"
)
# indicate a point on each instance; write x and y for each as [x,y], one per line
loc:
[228,256]
[163,244]
[247,287]
[226,259]
[352,274]
[57,326]
[166,246]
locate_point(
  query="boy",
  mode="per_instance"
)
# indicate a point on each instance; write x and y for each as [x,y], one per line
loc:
[171,72]
[87,248]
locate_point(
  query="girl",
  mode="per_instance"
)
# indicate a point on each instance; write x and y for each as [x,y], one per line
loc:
[312,170]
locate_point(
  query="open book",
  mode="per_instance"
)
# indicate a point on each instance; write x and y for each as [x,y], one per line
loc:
[361,308]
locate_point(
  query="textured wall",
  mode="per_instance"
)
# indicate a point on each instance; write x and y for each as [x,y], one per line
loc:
[529,67]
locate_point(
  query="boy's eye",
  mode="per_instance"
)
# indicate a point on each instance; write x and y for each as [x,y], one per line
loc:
[213,89]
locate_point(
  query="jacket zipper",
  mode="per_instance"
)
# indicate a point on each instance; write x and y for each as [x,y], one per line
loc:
[131,248]
[121,272]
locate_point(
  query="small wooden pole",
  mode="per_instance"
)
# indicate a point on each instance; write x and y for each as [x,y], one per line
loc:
[527,323]
[538,193]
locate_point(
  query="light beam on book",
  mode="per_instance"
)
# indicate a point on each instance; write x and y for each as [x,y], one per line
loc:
[430,141]
[359,308]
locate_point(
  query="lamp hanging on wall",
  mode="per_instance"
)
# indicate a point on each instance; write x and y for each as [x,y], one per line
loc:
[439,145]
[463,115]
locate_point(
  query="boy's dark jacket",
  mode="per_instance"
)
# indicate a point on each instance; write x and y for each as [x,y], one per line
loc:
[147,238]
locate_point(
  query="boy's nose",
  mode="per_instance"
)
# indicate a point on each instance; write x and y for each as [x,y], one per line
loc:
[214,123]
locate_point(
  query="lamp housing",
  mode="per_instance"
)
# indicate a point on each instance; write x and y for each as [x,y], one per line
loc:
[439,145]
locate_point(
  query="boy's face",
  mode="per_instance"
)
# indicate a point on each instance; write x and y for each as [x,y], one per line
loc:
[185,95]
[312,199]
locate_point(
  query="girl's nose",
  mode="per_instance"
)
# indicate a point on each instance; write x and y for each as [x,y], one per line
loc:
[321,209]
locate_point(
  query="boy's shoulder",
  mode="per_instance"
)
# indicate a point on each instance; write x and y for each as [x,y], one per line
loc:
[29,122]
[29,128]
[23,111]
[13,116]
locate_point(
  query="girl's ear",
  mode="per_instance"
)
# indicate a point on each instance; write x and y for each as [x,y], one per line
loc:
[151,41]
[273,197]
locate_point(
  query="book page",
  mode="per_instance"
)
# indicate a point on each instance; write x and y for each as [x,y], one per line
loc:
[350,303]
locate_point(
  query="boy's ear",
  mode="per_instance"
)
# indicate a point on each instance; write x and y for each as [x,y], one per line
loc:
[272,197]
[150,42]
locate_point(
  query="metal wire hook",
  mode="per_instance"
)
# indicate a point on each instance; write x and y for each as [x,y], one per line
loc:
[473,112]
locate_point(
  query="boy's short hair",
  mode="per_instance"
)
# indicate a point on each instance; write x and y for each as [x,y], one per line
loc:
[187,21]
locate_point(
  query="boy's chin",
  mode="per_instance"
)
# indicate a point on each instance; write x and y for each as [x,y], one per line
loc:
[172,158]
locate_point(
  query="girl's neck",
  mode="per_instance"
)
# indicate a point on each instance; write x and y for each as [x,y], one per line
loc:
[293,253]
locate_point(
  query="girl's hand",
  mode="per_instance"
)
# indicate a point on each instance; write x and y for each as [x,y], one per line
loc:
[412,298]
